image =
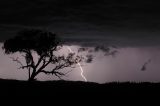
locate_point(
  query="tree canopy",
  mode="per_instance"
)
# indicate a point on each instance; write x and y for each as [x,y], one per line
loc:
[37,40]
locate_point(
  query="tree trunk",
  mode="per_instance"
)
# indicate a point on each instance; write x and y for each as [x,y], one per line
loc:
[31,79]
[29,73]
[32,76]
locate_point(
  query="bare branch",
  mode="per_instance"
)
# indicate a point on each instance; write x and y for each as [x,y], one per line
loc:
[39,61]
[19,62]
[27,66]
[57,67]
[56,73]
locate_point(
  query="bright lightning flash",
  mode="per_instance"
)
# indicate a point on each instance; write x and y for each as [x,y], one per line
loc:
[79,66]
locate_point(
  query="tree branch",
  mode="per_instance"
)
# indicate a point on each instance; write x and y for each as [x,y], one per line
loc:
[56,73]
[19,62]
[46,63]
[28,52]
[39,61]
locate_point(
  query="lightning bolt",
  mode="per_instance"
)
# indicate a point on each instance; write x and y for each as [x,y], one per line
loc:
[79,66]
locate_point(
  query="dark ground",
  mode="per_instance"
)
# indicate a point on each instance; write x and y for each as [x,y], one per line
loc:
[78,93]
[53,88]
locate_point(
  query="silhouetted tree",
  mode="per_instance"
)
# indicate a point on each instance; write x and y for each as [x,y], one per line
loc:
[44,44]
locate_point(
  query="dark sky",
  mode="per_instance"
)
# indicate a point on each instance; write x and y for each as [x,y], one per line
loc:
[126,22]
[133,25]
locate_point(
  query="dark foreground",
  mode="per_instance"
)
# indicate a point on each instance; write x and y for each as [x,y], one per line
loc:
[72,88]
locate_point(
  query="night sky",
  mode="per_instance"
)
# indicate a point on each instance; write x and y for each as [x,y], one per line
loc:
[130,25]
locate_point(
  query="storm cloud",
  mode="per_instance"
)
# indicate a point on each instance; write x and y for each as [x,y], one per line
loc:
[87,22]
